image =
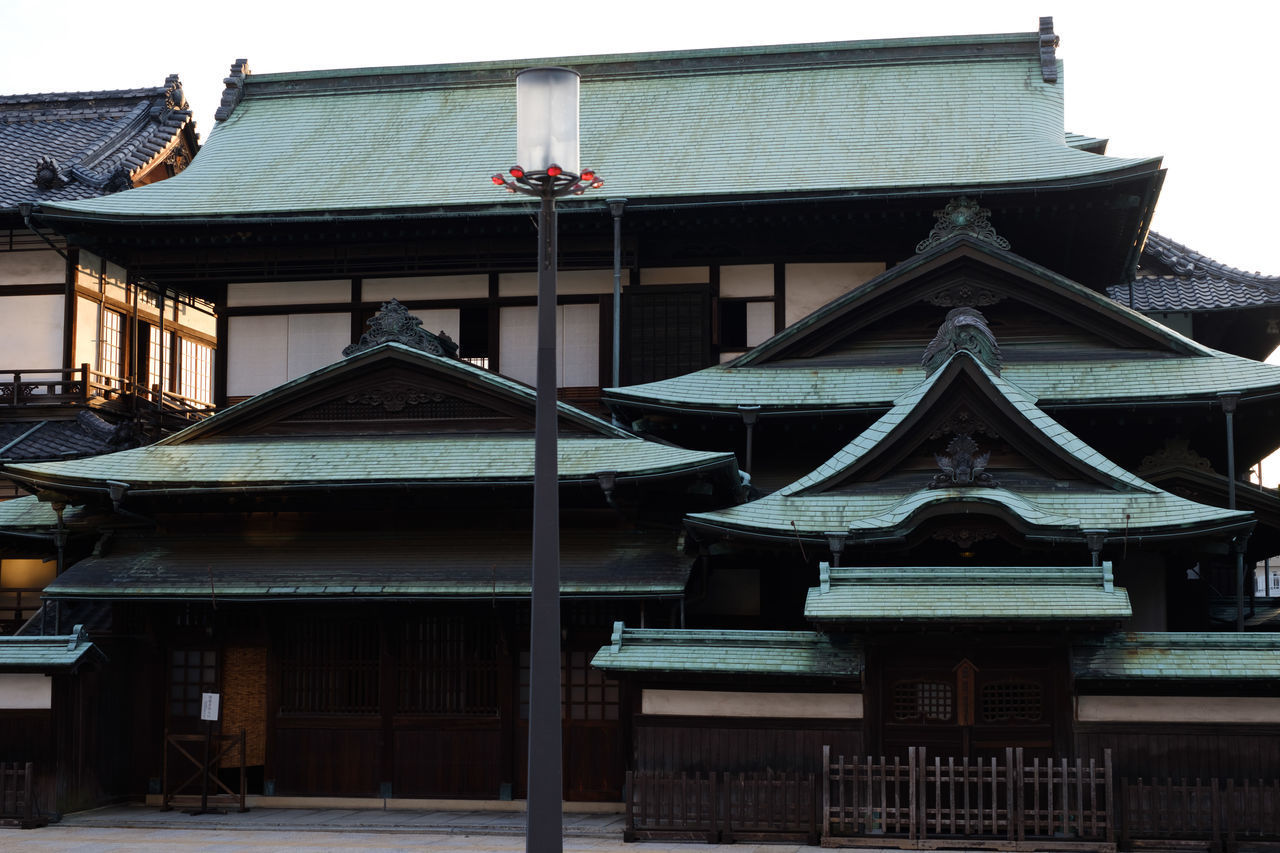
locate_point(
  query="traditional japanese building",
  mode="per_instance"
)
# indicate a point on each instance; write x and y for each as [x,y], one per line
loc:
[985,477]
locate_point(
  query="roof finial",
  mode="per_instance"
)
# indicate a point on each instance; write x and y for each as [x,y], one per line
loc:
[962,215]
[394,324]
[1048,59]
[964,329]
[234,91]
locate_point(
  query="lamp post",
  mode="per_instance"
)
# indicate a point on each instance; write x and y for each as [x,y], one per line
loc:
[547,145]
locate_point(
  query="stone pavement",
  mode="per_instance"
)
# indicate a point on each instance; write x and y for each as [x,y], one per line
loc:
[144,829]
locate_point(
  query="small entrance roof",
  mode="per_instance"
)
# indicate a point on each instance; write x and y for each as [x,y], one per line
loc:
[719,652]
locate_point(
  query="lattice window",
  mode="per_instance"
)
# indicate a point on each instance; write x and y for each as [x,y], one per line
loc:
[159,358]
[1012,700]
[928,700]
[586,693]
[111,345]
[329,668]
[195,371]
[448,665]
[191,673]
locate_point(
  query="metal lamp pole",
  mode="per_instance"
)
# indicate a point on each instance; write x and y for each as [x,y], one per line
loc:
[546,140]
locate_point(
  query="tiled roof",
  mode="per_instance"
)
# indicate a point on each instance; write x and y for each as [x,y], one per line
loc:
[781,653]
[784,387]
[967,594]
[417,459]
[1178,657]
[804,508]
[26,514]
[46,654]
[451,564]
[86,435]
[939,113]
[90,135]
[1173,277]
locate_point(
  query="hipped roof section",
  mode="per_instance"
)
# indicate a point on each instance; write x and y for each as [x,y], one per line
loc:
[827,500]
[789,373]
[248,445]
[976,113]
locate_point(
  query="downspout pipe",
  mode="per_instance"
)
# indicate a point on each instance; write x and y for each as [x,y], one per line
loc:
[616,207]
[1229,401]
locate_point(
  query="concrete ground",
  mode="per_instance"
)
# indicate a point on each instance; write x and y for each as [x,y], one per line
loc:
[125,829]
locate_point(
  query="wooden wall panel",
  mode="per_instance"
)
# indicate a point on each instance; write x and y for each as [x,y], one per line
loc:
[683,744]
[1152,750]
[449,761]
[327,761]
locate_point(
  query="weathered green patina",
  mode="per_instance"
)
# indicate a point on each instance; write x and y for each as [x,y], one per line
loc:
[1168,656]
[723,652]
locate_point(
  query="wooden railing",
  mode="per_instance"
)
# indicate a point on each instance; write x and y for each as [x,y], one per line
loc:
[17,796]
[721,807]
[78,385]
[1216,812]
[1010,801]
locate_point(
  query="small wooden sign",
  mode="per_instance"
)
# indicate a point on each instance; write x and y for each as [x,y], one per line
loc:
[965,671]
[209,706]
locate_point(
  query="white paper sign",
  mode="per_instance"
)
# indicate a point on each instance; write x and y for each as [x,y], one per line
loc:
[209,706]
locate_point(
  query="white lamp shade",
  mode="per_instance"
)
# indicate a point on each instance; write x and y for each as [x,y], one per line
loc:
[547,119]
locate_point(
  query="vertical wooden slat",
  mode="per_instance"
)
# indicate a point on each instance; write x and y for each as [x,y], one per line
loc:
[1110,803]
[912,760]
[826,787]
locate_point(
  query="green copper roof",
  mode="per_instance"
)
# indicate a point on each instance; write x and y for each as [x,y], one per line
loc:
[1178,657]
[709,651]
[966,594]
[484,563]
[368,460]
[26,514]
[947,114]
[1045,511]
[47,654]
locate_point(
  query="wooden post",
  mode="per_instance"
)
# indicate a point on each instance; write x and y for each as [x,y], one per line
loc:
[826,788]
[244,785]
[1110,802]
[164,774]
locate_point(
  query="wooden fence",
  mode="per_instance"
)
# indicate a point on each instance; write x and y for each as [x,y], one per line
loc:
[1218,813]
[722,807]
[1006,804]
[17,796]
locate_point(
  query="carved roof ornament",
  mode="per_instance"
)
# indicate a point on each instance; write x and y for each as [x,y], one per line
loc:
[962,465]
[964,294]
[1176,453]
[394,324]
[1048,55]
[47,177]
[963,420]
[962,215]
[964,329]
[119,181]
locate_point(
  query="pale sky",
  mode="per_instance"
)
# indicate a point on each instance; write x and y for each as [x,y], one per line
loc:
[1191,82]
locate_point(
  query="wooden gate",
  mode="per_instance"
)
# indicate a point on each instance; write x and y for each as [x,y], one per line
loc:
[17,796]
[1007,804]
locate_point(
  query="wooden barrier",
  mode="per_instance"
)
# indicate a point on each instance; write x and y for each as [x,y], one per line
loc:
[723,807]
[205,774]
[1220,814]
[987,802]
[17,796]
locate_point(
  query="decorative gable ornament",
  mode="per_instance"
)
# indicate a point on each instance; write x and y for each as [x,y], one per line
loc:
[394,324]
[964,329]
[962,216]
[962,465]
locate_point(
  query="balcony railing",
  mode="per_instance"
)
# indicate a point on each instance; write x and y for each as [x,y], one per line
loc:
[84,386]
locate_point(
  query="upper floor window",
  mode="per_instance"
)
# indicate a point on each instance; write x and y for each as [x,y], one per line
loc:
[111,344]
[159,360]
[196,371]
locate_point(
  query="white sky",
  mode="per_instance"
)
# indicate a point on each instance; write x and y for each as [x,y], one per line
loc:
[1189,81]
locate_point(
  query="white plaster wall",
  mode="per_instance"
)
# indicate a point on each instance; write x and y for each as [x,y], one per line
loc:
[567,282]
[447,320]
[810,286]
[87,270]
[759,322]
[257,354]
[315,340]
[25,691]
[1178,709]
[201,320]
[243,294]
[727,703]
[31,332]
[425,287]
[578,351]
[114,282]
[746,280]
[41,267]
[675,275]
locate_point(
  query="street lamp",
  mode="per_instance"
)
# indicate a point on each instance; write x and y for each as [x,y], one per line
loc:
[547,145]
